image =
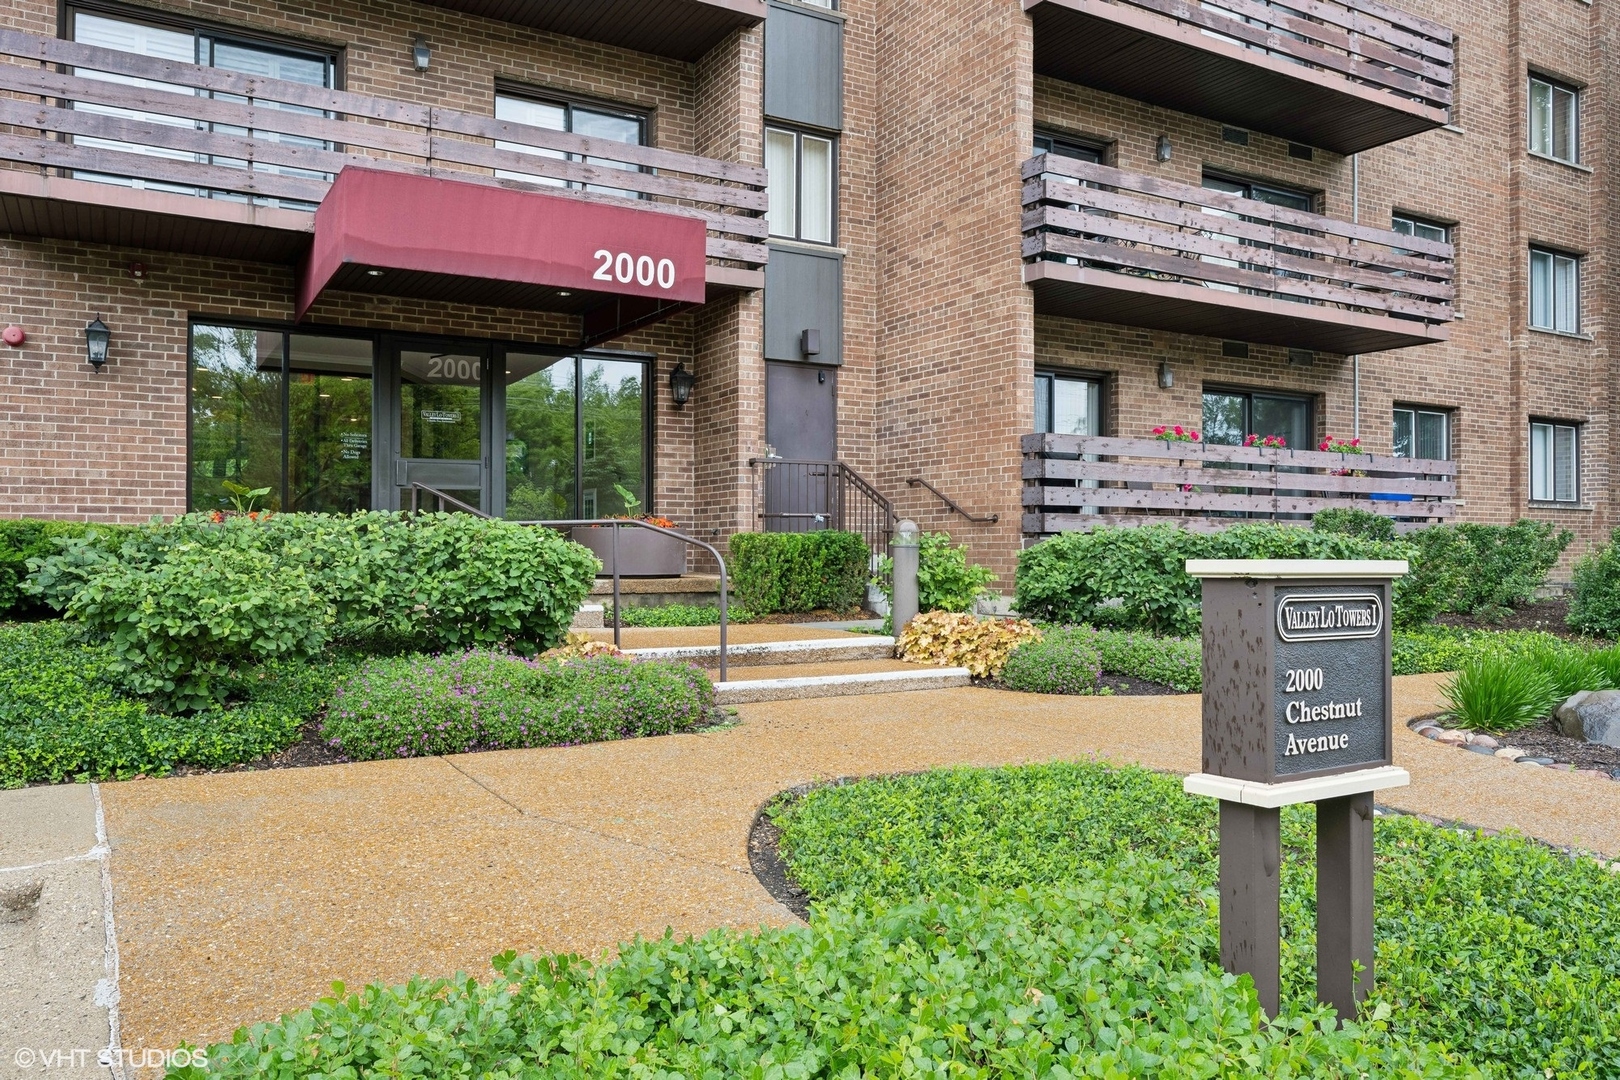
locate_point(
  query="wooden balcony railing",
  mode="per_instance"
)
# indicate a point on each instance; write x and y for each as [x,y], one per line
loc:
[220,134]
[1114,246]
[1344,75]
[1085,481]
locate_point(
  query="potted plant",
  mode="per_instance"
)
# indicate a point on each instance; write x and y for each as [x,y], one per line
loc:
[641,552]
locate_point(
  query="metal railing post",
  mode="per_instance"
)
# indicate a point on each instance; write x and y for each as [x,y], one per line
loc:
[618,618]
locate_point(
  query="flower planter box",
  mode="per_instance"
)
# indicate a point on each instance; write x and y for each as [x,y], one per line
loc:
[642,552]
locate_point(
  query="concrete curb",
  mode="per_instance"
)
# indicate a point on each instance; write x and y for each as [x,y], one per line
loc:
[803,651]
[738,692]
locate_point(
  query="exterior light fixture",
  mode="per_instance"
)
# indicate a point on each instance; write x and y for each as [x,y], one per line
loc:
[374,273]
[680,384]
[96,339]
[421,55]
[1161,149]
[1167,376]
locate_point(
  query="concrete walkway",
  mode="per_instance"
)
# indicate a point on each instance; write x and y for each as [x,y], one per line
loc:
[243,895]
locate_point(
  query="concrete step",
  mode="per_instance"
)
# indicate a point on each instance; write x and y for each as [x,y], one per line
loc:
[799,651]
[588,617]
[842,684]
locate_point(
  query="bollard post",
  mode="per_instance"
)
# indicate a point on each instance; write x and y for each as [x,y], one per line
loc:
[905,552]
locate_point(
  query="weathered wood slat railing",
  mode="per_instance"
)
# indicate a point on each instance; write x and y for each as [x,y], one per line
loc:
[285,141]
[1147,481]
[1361,40]
[1146,226]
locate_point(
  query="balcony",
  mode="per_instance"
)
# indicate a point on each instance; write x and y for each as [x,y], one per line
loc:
[213,162]
[1117,247]
[1078,482]
[1342,75]
[678,29]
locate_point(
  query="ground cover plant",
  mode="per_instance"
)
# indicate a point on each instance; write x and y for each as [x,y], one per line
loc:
[184,603]
[63,716]
[409,706]
[677,615]
[1174,662]
[777,573]
[1495,947]
[1064,660]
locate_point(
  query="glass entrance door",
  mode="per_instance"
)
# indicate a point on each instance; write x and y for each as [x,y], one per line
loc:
[440,419]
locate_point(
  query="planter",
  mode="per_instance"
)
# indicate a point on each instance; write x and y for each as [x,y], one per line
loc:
[642,552]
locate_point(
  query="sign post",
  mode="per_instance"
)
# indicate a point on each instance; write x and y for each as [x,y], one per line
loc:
[1297,694]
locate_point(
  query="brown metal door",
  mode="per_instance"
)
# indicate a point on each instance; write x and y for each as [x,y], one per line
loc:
[801,426]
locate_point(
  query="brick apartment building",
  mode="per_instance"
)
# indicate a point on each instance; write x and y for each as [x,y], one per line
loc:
[348,248]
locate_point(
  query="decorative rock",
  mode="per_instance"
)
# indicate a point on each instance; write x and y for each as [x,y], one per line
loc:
[1454,738]
[1569,721]
[1562,766]
[1615,775]
[1431,732]
[1594,717]
[1510,753]
[1476,748]
[1485,741]
[1530,761]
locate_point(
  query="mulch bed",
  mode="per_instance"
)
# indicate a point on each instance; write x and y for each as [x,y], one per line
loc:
[310,749]
[1545,740]
[1550,616]
[765,859]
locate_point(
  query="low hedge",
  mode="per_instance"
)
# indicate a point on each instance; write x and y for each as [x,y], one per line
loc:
[187,601]
[411,706]
[775,573]
[63,717]
[676,615]
[1594,602]
[1135,578]
[1174,662]
[1497,950]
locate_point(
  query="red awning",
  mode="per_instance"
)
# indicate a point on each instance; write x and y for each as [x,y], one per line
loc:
[402,234]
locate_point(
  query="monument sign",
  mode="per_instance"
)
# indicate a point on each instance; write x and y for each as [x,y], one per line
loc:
[1297,709]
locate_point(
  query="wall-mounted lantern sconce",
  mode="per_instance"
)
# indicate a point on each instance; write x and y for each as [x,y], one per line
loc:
[810,343]
[680,384]
[421,55]
[96,339]
[1161,149]
[1167,377]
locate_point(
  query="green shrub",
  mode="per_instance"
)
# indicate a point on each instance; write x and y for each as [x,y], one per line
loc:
[180,624]
[1063,661]
[677,615]
[1361,523]
[792,572]
[410,706]
[1135,578]
[1175,662]
[1570,667]
[394,581]
[946,581]
[1448,648]
[1509,563]
[1594,603]
[1435,581]
[1498,948]
[62,717]
[1109,978]
[22,539]
[1500,693]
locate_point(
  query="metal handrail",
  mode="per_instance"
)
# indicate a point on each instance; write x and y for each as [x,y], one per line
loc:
[614,524]
[988,519]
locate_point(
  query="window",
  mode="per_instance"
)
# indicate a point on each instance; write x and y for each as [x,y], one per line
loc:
[1423,230]
[1067,405]
[1554,462]
[1230,416]
[1554,119]
[598,122]
[1422,433]
[286,411]
[800,169]
[1266,193]
[193,45]
[1063,146]
[1555,291]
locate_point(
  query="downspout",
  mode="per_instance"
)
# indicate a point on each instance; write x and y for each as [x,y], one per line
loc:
[1355,360]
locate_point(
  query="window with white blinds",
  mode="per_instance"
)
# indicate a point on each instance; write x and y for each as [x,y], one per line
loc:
[1555,291]
[1554,462]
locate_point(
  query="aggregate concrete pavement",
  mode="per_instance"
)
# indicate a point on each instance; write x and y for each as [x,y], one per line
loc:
[243,895]
[58,1007]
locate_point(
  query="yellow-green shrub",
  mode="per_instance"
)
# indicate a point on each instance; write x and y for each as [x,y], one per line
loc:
[952,639]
